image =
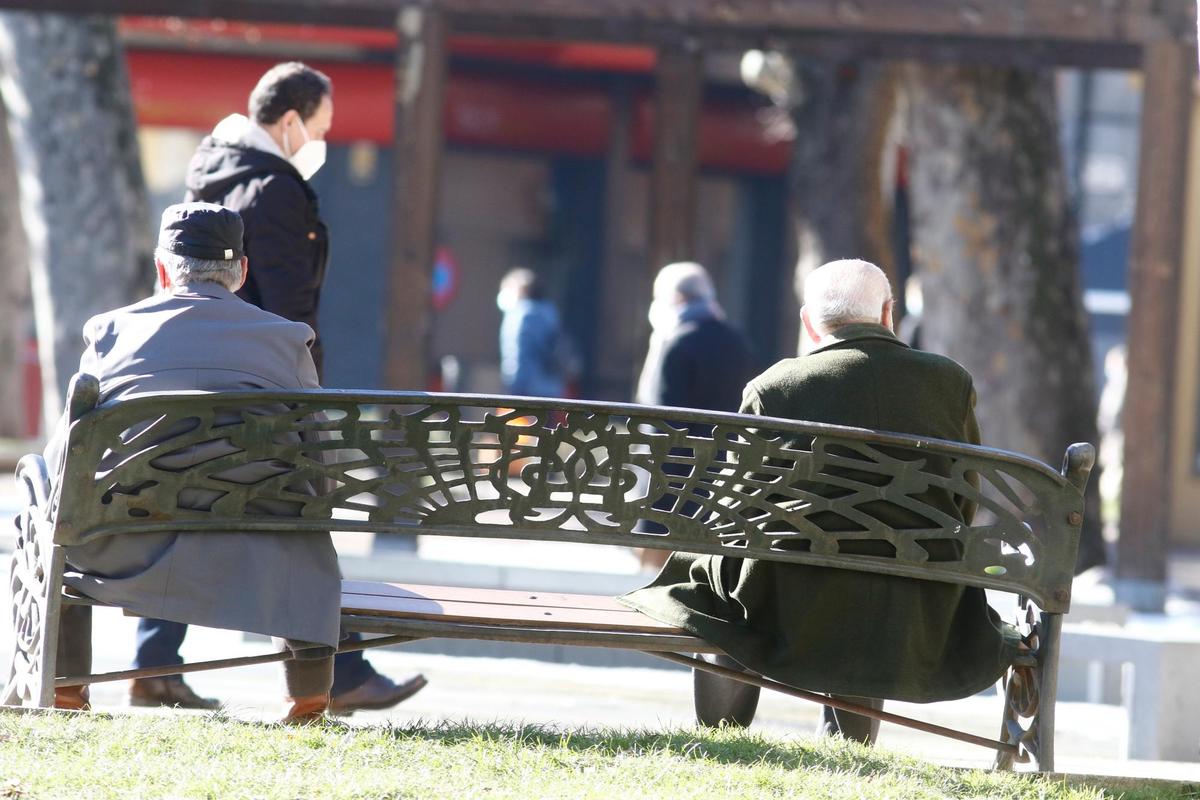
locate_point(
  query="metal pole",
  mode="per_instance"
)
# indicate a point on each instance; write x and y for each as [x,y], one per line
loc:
[841,705]
[223,663]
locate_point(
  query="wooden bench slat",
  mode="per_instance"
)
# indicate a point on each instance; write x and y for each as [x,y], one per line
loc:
[595,602]
[499,612]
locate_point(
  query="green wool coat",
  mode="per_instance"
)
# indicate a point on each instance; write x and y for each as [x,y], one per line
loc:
[844,631]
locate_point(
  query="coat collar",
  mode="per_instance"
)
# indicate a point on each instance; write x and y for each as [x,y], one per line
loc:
[204,289]
[854,332]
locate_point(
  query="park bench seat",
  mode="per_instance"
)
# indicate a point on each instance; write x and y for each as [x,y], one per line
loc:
[552,470]
[503,607]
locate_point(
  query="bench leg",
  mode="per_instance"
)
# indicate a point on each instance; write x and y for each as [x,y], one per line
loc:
[1051,639]
[723,700]
[1031,694]
[36,583]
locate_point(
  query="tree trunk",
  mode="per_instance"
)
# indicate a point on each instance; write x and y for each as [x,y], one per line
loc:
[997,250]
[14,294]
[83,199]
[839,196]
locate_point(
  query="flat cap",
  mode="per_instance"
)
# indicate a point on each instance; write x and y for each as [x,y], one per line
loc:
[201,230]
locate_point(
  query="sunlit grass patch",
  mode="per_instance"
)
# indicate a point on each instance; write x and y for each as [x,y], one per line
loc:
[186,756]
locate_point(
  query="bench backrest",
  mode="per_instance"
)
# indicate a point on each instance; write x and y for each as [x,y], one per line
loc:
[522,468]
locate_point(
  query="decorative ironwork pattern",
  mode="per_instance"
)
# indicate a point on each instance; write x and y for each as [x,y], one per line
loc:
[1021,689]
[35,581]
[572,471]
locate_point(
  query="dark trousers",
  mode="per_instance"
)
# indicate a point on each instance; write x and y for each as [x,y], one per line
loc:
[159,640]
[308,674]
[848,725]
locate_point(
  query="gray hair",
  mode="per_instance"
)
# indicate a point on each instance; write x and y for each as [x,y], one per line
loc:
[843,292]
[185,270]
[688,279]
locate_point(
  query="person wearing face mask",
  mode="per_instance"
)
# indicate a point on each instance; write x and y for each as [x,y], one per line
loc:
[259,166]
[695,360]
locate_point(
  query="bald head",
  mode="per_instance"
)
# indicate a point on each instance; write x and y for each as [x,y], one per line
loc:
[843,292]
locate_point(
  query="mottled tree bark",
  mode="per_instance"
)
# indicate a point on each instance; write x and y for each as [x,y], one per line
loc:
[839,197]
[997,250]
[83,199]
[14,293]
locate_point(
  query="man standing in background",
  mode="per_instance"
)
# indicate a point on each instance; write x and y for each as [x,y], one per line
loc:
[259,166]
[696,359]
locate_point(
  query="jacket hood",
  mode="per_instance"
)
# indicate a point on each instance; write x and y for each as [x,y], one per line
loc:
[225,159]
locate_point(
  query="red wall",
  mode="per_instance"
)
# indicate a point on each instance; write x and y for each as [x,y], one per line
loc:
[196,90]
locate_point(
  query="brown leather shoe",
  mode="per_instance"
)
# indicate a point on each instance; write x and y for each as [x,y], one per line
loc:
[168,691]
[73,698]
[306,710]
[376,693]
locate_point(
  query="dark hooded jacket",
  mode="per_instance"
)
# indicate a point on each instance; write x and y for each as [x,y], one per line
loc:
[286,241]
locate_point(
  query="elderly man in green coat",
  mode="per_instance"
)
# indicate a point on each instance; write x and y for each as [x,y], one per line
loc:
[850,634]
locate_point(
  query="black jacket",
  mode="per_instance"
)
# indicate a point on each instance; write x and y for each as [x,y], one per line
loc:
[286,241]
[704,363]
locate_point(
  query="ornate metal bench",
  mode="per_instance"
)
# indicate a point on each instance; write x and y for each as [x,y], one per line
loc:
[519,468]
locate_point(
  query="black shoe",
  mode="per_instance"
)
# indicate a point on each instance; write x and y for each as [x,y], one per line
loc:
[168,691]
[376,693]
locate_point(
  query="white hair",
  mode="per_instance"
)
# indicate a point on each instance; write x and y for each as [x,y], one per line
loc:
[686,278]
[846,291]
[185,270]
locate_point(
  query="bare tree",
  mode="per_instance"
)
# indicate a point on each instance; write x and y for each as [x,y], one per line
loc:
[14,293]
[997,250]
[83,199]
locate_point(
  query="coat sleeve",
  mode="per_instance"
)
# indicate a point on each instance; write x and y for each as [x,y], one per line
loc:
[89,362]
[530,347]
[675,376]
[751,401]
[306,368]
[281,259]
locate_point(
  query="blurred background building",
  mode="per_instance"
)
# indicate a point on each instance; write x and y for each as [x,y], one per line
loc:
[546,166]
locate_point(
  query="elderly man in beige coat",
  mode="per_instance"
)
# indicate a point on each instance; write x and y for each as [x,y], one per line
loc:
[195,334]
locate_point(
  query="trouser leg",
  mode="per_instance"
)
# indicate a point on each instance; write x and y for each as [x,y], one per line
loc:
[158,643]
[74,641]
[351,670]
[848,725]
[310,672]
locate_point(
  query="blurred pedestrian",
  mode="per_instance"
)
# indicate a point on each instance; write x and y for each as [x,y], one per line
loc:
[532,348]
[696,359]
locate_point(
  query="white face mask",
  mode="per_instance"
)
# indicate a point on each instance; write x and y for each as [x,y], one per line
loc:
[311,155]
[506,300]
[664,316]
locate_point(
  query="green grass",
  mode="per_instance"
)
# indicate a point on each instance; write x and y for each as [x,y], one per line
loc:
[182,756]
